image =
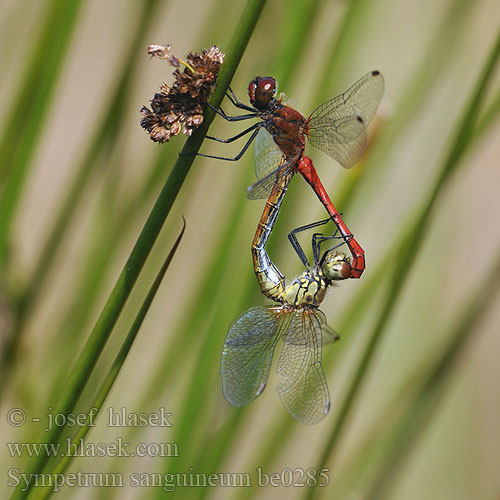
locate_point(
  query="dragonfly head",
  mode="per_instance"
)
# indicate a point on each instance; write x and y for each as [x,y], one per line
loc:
[262,91]
[336,265]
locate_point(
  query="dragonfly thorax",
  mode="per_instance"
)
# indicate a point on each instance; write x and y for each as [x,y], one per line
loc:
[309,289]
[287,127]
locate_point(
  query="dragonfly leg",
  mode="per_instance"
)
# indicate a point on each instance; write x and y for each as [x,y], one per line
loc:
[318,238]
[296,245]
[306,168]
[234,100]
[234,138]
[298,249]
[237,157]
[229,118]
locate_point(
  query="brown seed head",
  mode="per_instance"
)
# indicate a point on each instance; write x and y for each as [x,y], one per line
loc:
[180,104]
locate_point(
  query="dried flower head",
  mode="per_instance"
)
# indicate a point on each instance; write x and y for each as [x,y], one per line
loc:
[179,106]
[163,52]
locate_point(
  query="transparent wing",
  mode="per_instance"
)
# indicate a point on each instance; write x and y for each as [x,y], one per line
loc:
[263,187]
[303,389]
[328,334]
[267,155]
[248,352]
[338,127]
[268,158]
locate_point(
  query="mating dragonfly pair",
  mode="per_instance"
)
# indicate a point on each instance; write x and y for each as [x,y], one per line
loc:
[337,127]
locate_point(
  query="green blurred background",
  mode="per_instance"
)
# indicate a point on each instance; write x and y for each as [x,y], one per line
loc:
[79,177]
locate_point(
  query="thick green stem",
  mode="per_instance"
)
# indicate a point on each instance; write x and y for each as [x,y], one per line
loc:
[125,283]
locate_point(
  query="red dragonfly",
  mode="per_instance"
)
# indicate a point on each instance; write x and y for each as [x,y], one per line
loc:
[337,127]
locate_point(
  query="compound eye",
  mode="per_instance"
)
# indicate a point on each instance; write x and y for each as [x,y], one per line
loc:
[261,92]
[251,90]
[267,85]
[336,266]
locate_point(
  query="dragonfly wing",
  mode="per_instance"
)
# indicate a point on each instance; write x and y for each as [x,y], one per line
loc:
[263,187]
[338,127]
[328,334]
[268,160]
[267,155]
[343,139]
[303,389]
[248,352]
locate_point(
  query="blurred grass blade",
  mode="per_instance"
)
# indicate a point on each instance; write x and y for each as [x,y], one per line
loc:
[488,117]
[105,136]
[108,234]
[408,252]
[217,449]
[429,395]
[431,65]
[340,47]
[24,122]
[123,287]
[116,366]
[374,454]
[296,26]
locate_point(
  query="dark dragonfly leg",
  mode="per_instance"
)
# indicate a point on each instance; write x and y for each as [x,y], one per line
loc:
[232,97]
[234,138]
[317,236]
[306,168]
[229,118]
[240,154]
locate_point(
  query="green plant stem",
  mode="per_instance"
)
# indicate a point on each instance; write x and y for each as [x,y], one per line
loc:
[123,287]
[407,253]
[116,366]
